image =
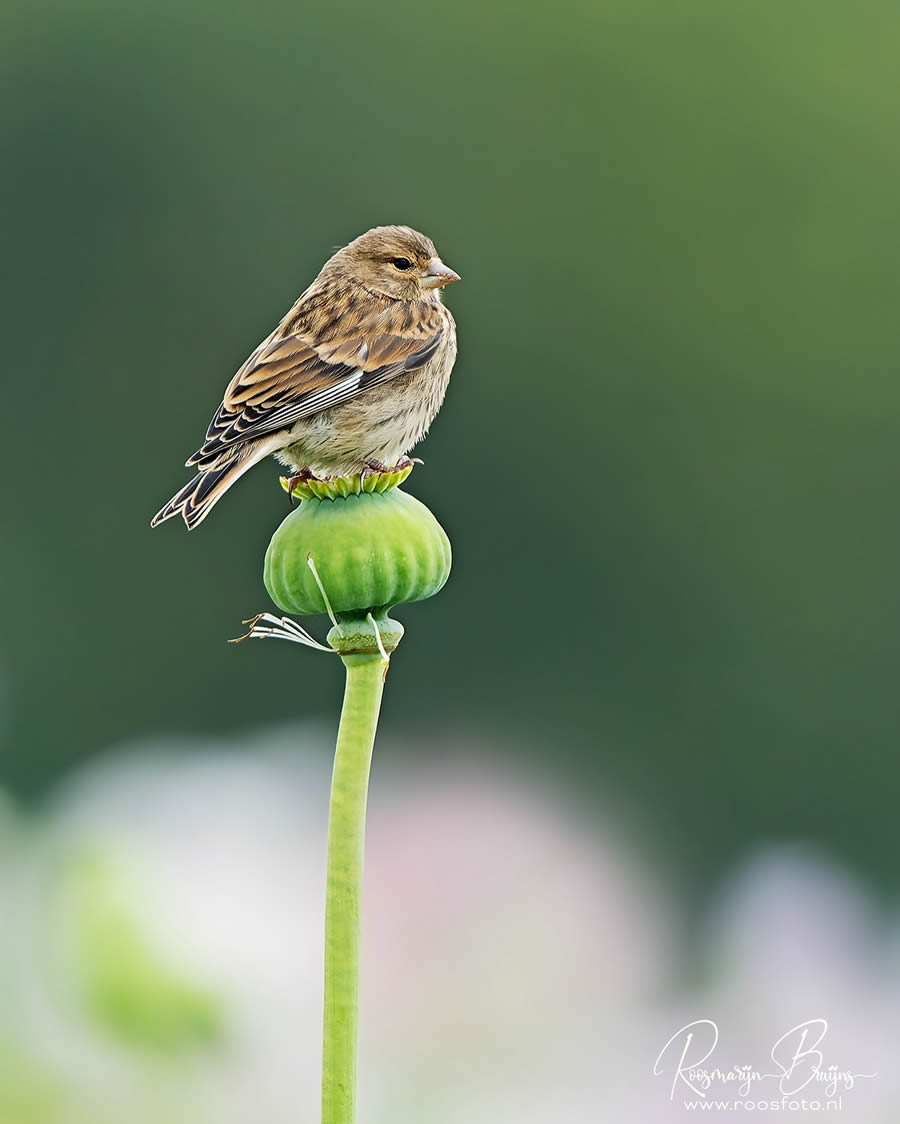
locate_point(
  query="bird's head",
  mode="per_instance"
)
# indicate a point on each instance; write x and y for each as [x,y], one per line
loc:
[395,262]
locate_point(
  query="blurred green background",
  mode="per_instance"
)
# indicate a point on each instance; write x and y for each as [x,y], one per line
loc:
[668,460]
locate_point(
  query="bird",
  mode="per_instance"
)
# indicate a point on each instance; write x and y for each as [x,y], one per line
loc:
[349,381]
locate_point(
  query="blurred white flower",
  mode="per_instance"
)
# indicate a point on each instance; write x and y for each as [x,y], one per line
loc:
[792,938]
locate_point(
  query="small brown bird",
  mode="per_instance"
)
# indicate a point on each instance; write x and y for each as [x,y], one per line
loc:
[350,379]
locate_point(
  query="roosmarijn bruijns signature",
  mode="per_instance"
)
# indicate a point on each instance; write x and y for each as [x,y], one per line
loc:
[799,1064]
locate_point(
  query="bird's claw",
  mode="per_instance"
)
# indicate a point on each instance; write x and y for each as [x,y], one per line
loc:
[293,481]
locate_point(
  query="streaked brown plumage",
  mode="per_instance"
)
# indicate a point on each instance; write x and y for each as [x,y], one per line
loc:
[351,378]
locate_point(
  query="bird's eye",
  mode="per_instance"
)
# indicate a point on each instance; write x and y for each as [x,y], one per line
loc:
[401,263]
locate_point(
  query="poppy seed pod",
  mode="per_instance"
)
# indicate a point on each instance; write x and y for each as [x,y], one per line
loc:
[355,547]
[362,548]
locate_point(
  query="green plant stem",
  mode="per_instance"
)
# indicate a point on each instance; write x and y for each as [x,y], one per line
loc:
[346,834]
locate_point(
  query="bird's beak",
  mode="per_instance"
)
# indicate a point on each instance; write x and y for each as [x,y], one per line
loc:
[437,275]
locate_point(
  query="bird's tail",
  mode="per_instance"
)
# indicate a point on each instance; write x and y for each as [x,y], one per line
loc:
[198,497]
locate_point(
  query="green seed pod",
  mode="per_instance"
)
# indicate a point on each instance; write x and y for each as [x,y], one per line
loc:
[371,550]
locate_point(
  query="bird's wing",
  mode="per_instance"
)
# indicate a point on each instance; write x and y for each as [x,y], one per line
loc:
[292,376]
